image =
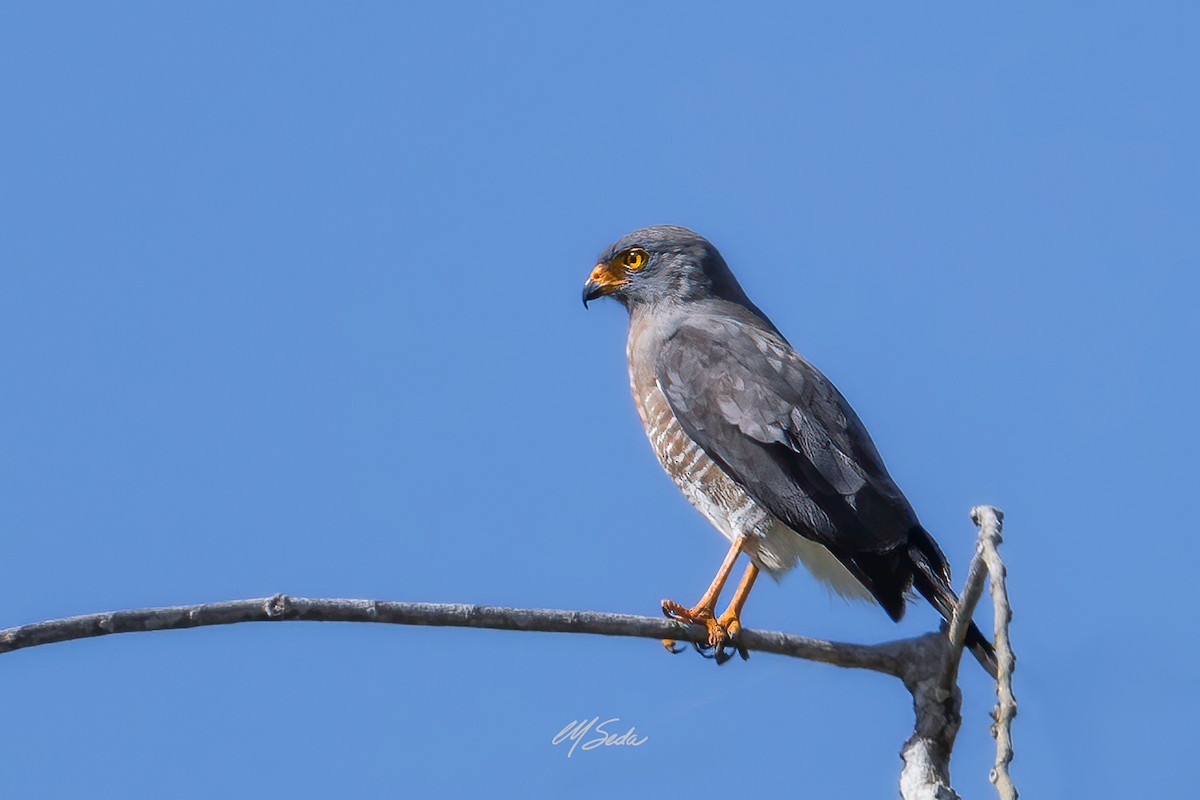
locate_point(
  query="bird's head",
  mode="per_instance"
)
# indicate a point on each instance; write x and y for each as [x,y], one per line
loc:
[663,264]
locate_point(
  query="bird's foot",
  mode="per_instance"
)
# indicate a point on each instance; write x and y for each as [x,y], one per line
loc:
[732,626]
[721,642]
[698,615]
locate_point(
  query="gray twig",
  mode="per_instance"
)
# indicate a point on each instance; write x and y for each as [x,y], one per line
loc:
[886,658]
[991,523]
[921,662]
[960,622]
[933,680]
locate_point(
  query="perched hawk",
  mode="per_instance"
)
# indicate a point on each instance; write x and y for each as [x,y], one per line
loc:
[759,440]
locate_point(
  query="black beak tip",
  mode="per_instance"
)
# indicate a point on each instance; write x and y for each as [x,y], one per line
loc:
[590,292]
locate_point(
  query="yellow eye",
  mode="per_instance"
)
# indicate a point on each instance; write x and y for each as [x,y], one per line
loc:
[636,258]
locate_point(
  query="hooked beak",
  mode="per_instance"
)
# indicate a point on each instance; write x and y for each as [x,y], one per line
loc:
[592,290]
[605,279]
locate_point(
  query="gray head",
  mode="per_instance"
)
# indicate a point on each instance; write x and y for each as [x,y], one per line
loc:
[663,265]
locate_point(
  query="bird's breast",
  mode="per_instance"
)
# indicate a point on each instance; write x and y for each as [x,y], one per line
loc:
[706,486]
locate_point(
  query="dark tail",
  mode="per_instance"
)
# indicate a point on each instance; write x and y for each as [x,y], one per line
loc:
[931,577]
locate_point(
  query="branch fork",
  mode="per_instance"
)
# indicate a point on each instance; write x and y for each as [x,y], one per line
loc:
[927,664]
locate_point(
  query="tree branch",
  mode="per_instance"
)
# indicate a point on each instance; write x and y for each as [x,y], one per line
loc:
[887,658]
[933,681]
[926,664]
[991,523]
[960,622]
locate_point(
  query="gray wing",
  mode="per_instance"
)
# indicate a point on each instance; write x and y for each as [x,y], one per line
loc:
[784,433]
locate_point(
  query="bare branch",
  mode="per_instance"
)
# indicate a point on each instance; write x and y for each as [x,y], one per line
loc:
[991,523]
[926,754]
[927,664]
[937,701]
[963,612]
[886,658]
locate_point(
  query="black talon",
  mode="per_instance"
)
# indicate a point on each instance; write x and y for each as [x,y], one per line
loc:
[722,656]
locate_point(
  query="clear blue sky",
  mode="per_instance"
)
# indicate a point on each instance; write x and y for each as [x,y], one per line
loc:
[290,303]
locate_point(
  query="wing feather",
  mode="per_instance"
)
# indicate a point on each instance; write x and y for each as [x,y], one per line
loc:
[784,433]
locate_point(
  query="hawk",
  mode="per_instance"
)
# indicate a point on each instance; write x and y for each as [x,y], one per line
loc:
[763,444]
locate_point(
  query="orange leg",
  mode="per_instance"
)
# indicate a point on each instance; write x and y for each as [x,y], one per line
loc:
[704,612]
[731,620]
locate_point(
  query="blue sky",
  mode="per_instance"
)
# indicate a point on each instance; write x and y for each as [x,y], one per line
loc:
[291,304]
